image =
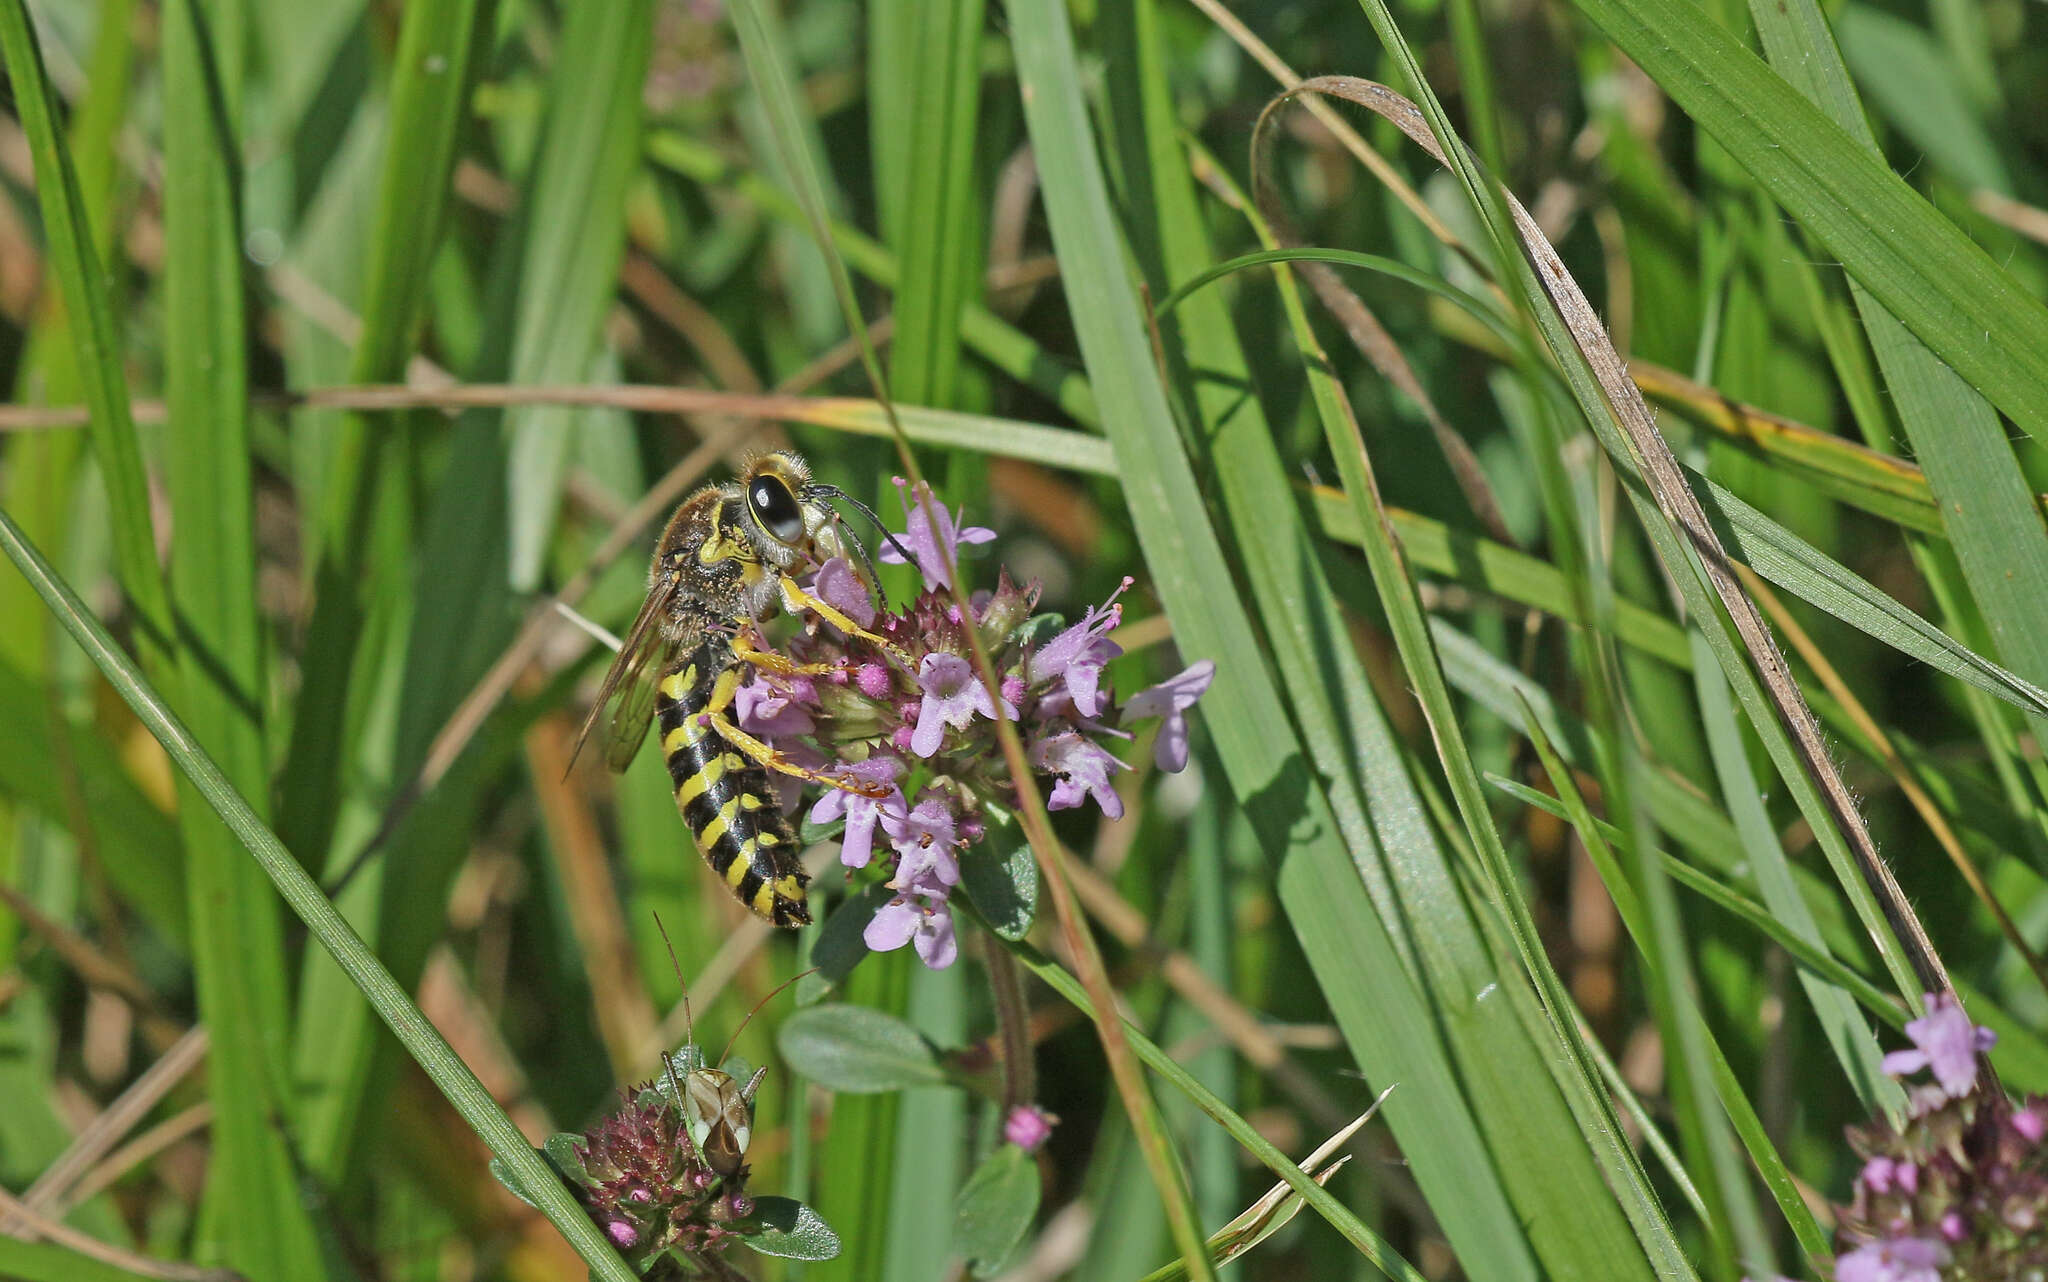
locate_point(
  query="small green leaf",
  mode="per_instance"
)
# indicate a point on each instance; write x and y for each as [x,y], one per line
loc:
[561,1152]
[785,1227]
[996,1207]
[860,1051]
[841,943]
[1001,878]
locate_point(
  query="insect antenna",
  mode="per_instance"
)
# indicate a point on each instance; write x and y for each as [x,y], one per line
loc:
[730,1042]
[834,492]
[689,1029]
[668,1063]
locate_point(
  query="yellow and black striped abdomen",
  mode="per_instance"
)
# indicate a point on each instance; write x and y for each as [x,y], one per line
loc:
[725,797]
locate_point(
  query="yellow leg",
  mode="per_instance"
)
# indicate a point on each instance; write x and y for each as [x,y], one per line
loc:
[716,714]
[747,652]
[796,601]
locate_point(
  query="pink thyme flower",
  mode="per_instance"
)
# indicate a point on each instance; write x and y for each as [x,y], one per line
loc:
[1171,699]
[770,712]
[1944,1040]
[861,812]
[2030,1124]
[1028,1127]
[1081,769]
[1076,656]
[900,699]
[917,915]
[932,535]
[952,695]
[1908,1259]
[924,841]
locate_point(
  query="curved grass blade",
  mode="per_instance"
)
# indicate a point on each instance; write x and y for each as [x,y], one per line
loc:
[419,1037]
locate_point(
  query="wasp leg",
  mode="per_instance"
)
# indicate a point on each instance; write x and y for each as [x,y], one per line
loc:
[781,665]
[796,601]
[717,715]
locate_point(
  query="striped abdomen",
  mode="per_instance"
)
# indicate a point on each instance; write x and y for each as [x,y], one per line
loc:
[725,797]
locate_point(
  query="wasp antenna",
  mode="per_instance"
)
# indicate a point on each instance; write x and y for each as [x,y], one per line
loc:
[757,1010]
[834,492]
[689,1029]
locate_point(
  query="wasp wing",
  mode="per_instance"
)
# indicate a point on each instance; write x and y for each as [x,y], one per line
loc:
[629,687]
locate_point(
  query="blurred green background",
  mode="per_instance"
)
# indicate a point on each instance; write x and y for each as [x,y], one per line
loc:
[1452,635]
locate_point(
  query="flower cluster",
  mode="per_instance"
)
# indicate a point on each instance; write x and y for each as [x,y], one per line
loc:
[910,712]
[1960,1188]
[648,1188]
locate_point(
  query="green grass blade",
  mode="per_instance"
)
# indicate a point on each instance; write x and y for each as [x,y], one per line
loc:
[1811,955]
[439,46]
[88,302]
[1347,736]
[1569,1156]
[1987,505]
[999,343]
[137,842]
[252,1214]
[41,1262]
[1320,1199]
[1914,262]
[1653,931]
[1320,885]
[939,254]
[1856,1050]
[414,1031]
[575,229]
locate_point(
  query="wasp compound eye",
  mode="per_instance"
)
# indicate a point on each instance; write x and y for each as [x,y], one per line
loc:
[775,507]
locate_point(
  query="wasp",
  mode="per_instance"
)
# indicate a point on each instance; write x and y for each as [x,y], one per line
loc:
[726,561]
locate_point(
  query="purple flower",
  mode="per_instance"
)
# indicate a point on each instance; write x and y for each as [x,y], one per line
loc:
[918,914]
[861,812]
[952,695]
[1877,1174]
[1083,769]
[623,1235]
[771,712]
[1944,1040]
[1953,1229]
[1028,1127]
[2029,1123]
[1171,699]
[924,841]
[932,535]
[838,586]
[1906,1259]
[1077,655]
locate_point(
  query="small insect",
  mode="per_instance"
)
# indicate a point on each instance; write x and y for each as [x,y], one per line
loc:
[717,1111]
[726,561]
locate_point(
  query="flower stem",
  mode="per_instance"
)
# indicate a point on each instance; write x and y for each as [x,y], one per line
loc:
[1013,1027]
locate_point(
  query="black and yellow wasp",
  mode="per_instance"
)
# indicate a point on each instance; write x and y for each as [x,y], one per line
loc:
[727,560]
